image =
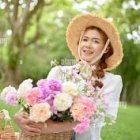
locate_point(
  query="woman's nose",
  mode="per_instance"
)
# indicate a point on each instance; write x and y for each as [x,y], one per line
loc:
[88,44]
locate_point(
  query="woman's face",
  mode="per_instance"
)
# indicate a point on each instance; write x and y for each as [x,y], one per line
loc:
[91,45]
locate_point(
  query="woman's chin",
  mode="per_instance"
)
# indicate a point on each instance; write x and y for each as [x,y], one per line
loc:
[87,60]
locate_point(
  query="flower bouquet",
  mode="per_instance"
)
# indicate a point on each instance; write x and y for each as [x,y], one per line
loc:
[52,100]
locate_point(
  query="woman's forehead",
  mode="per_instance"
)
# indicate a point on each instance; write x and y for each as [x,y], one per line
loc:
[93,33]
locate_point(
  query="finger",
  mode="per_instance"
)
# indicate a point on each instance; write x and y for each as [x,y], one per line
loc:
[25,115]
[37,125]
[32,129]
[25,121]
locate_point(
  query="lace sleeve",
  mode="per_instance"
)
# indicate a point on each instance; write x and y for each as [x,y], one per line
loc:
[112,95]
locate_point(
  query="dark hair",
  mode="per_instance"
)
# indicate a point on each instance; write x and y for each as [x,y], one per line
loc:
[99,72]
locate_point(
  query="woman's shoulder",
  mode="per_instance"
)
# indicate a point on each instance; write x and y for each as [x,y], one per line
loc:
[112,84]
[112,78]
[57,71]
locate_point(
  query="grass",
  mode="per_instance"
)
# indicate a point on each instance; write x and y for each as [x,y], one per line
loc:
[126,128]
[12,111]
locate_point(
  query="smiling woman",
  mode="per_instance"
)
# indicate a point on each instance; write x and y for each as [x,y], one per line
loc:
[94,41]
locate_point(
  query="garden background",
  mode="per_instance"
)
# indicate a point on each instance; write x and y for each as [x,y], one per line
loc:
[32,36]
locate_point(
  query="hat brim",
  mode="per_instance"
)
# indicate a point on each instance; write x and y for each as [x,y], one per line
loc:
[80,23]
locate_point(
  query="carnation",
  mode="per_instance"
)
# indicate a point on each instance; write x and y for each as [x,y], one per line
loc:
[62,101]
[54,85]
[40,112]
[49,88]
[11,98]
[7,90]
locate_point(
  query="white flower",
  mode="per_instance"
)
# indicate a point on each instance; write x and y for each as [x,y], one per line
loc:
[7,90]
[6,115]
[62,101]
[24,87]
[40,112]
[81,85]
[70,88]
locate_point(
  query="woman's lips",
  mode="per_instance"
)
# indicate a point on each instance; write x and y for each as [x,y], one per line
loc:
[88,52]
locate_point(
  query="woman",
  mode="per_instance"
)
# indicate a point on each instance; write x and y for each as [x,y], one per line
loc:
[95,44]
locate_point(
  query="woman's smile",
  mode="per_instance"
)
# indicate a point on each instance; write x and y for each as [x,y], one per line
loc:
[86,51]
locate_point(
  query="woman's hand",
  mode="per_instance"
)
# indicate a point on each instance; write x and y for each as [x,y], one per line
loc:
[57,127]
[31,128]
[27,126]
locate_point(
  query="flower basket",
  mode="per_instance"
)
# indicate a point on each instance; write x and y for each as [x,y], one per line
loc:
[51,136]
[7,132]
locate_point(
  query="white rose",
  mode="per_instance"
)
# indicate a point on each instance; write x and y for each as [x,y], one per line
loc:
[62,101]
[70,88]
[24,87]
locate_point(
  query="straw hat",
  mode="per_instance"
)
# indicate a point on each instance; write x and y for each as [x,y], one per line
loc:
[80,23]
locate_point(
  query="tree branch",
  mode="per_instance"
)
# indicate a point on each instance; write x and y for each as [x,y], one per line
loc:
[34,39]
[8,13]
[25,14]
[15,12]
[38,33]
[39,4]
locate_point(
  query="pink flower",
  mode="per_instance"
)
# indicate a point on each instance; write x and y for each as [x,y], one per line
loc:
[54,85]
[77,111]
[9,95]
[82,126]
[83,107]
[11,98]
[49,88]
[89,106]
[32,96]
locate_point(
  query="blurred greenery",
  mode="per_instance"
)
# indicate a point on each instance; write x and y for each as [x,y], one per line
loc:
[32,36]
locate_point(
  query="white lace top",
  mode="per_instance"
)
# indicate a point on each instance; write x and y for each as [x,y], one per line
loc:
[112,88]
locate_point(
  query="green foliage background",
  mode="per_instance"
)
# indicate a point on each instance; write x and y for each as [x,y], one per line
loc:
[49,23]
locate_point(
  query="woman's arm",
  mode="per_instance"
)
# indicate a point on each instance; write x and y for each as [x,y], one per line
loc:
[112,95]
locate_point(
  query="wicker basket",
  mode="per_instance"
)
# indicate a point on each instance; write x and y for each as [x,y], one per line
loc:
[7,133]
[51,136]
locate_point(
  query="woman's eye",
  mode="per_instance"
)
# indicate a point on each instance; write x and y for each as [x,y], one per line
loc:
[85,39]
[96,41]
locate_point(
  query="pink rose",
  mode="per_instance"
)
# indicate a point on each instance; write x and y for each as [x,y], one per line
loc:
[32,96]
